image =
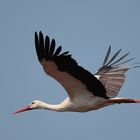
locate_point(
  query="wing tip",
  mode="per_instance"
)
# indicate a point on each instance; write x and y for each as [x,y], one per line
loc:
[113,61]
[46,49]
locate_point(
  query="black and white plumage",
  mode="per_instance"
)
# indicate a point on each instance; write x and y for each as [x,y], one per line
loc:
[85,91]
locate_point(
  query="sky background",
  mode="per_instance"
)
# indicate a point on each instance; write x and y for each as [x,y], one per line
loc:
[86,29]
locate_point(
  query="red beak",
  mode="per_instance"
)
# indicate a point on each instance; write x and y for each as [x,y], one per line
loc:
[26,108]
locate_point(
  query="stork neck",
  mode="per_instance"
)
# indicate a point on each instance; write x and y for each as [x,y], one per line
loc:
[50,107]
[59,107]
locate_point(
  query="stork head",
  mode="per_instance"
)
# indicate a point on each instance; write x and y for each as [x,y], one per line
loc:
[34,105]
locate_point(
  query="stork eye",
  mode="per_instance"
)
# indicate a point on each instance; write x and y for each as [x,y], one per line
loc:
[33,103]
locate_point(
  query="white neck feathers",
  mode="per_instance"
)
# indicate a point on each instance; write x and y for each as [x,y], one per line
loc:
[64,106]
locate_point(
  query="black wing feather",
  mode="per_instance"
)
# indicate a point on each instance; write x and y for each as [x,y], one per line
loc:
[57,52]
[115,55]
[119,59]
[39,48]
[107,55]
[47,47]
[52,47]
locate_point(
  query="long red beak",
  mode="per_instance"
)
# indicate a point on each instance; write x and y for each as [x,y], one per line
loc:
[26,108]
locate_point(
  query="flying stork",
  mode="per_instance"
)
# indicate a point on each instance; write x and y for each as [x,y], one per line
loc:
[85,91]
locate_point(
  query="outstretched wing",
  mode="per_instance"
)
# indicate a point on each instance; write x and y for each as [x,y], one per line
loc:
[111,74]
[61,66]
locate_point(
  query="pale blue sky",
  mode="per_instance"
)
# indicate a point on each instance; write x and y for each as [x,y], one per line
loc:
[86,29]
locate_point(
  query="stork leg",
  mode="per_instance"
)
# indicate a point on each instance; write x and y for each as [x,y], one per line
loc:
[123,100]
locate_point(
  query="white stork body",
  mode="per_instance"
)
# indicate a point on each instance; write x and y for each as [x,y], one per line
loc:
[76,105]
[85,91]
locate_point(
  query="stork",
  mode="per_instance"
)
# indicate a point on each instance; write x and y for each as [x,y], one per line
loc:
[86,91]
